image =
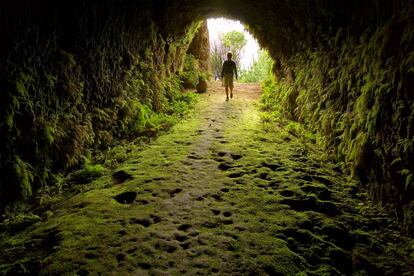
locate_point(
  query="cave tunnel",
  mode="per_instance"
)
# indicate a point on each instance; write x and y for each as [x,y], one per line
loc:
[101,173]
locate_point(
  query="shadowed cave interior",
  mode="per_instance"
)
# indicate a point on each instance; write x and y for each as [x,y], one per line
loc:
[80,79]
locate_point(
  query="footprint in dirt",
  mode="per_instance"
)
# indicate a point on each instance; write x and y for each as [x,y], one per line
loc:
[175,191]
[310,203]
[287,193]
[235,175]
[225,190]
[180,237]
[126,197]
[184,227]
[144,222]
[210,225]
[121,176]
[272,165]
[200,198]
[321,192]
[227,221]
[217,197]
[236,156]
[216,212]
[224,166]
[227,214]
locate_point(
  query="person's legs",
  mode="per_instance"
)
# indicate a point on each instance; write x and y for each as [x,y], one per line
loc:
[227,93]
[231,85]
[226,85]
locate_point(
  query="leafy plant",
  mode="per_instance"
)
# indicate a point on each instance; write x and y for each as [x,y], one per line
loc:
[88,172]
[260,71]
[191,72]
[233,42]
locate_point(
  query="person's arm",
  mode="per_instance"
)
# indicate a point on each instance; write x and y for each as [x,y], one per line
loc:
[235,70]
[222,70]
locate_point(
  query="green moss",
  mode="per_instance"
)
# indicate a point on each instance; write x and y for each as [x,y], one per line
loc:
[63,102]
[189,215]
[191,72]
[350,91]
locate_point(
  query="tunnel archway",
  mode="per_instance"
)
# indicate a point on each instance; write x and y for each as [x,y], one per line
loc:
[322,37]
[84,57]
[266,20]
[78,76]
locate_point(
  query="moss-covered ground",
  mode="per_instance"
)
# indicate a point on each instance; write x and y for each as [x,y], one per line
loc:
[227,191]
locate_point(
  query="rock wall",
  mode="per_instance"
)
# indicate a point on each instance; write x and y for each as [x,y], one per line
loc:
[200,48]
[352,83]
[74,72]
[74,76]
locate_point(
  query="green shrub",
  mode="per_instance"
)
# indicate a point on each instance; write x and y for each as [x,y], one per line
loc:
[260,71]
[88,172]
[191,72]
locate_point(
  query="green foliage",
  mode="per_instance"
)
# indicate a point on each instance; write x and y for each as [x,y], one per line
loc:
[191,72]
[276,98]
[140,118]
[19,220]
[356,92]
[88,172]
[57,104]
[217,59]
[24,173]
[234,42]
[182,104]
[261,69]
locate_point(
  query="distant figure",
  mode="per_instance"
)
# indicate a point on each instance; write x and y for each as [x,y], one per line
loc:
[229,68]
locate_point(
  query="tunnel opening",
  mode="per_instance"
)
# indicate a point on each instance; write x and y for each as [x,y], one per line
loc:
[228,35]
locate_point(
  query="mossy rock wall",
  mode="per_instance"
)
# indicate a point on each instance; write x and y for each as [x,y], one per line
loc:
[200,48]
[352,82]
[73,76]
[345,69]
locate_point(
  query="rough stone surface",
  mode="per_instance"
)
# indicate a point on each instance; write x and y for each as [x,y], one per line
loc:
[186,215]
[200,48]
[201,86]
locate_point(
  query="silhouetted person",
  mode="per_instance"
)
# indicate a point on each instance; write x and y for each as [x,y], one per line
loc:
[229,69]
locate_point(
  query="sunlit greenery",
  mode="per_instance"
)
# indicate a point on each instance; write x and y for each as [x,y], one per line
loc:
[233,42]
[260,71]
[191,73]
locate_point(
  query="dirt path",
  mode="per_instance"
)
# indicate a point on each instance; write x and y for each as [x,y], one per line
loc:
[223,193]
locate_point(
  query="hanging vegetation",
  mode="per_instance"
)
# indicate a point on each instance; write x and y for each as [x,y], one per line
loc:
[75,78]
[355,89]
